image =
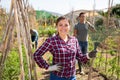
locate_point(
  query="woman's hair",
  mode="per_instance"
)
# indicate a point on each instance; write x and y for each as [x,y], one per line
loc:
[61,18]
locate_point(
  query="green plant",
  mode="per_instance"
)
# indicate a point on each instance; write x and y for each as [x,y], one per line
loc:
[99,22]
[12,65]
[11,68]
[47,31]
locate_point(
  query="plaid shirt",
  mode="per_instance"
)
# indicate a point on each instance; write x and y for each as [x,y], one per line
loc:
[63,52]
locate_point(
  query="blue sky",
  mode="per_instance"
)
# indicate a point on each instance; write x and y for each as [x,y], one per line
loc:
[63,6]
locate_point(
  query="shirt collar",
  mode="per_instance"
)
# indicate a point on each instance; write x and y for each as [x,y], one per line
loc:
[69,37]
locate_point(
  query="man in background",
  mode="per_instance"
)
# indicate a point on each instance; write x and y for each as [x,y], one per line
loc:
[81,33]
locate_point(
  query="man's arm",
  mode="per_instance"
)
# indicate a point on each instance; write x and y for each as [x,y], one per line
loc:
[91,27]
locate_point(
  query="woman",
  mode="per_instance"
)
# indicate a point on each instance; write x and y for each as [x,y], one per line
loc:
[65,50]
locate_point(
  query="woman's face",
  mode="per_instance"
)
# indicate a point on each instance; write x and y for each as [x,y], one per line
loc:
[63,27]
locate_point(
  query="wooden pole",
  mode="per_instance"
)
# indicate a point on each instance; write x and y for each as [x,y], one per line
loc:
[9,21]
[6,41]
[19,41]
[108,18]
[7,49]
[92,60]
[22,23]
[23,35]
[25,26]
[27,32]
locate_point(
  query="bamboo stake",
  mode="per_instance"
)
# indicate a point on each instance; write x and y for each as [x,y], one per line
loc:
[3,45]
[24,20]
[19,9]
[25,3]
[25,45]
[108,18]
[5,54]
[118,63]
[27,56]
[118,76]
[19,42]
[27,31]
[6,41]
[28,61]
[92,61]
[9,20]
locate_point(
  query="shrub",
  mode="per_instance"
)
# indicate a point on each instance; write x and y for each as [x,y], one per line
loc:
[47,31]
[12,65]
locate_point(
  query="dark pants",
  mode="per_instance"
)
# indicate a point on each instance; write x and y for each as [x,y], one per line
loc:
[33,38]
[55,77]
[83,46]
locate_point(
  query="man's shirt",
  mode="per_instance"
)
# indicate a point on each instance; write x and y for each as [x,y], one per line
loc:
[82,31]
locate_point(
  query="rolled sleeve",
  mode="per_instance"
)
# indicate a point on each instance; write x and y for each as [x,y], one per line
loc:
[46,46]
